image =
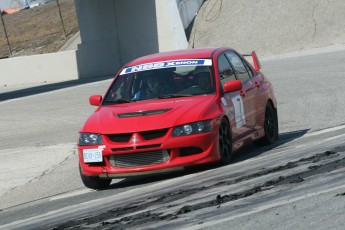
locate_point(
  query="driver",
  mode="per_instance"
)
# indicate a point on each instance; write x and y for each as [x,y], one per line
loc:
[153,86]
[153,89]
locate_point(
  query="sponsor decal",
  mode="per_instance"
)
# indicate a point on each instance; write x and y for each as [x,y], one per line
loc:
[239,111]
[167,64]
[224,101]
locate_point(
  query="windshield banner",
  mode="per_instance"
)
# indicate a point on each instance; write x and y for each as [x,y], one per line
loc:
[167,64]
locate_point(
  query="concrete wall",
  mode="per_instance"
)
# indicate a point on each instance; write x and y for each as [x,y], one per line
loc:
[54,67]
[99,40]
[114,32]
[270,26]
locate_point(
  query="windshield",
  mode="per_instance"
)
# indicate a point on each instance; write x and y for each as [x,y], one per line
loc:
[160,80]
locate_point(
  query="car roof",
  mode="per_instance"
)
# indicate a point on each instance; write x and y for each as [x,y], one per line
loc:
[193,53]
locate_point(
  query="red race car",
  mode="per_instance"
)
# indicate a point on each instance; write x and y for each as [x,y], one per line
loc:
[171,110]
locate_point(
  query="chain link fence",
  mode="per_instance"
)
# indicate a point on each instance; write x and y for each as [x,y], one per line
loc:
[37,30]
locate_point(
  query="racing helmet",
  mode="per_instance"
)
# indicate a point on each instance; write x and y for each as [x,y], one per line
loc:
[153,82]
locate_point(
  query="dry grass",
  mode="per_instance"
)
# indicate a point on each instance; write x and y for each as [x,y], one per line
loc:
[38,30]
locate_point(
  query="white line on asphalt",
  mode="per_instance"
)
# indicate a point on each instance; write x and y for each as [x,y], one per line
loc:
[336,137]
[324,131]
[71,194]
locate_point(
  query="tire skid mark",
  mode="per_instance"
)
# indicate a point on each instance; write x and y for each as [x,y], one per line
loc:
[134,215]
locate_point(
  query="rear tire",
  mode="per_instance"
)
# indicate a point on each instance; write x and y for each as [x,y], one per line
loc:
[270,126]
[94,182]
[225,143]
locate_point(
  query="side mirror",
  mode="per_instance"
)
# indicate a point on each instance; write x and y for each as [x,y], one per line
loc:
[256,62]
[95,100]
[232,86]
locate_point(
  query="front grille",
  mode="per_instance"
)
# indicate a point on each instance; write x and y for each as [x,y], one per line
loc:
[139,159]
[124,137]
[122,149]
[148,146]
[149,135]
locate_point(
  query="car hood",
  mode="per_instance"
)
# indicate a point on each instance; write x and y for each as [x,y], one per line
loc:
[148,115]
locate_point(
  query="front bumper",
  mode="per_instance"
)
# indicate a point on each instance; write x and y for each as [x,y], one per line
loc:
[155,156]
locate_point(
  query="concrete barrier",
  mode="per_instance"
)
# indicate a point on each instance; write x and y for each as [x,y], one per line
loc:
[48,68]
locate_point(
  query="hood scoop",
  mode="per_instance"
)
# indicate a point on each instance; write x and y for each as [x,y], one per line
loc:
[142,113]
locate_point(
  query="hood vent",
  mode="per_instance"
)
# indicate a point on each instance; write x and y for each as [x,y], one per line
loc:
[143,113]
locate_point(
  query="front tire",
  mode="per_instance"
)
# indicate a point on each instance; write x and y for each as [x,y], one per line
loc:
[225,143]
[94,182]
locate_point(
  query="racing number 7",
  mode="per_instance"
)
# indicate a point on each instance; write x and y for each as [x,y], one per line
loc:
[239,111]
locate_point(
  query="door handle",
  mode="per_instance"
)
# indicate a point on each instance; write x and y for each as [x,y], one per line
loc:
[242,93]
[257,84]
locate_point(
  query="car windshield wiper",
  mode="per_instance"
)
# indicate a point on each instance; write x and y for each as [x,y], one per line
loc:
[117,101]
[174,96]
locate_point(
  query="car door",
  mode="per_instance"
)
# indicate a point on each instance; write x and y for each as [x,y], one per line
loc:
[232,103]
[248,93]
[259,100]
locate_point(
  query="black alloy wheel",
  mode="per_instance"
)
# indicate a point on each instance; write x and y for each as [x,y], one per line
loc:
[225,143]
[270,125]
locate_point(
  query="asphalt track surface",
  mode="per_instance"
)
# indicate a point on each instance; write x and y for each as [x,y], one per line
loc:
[296,183]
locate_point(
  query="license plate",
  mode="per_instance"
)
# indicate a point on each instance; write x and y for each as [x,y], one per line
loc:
[92,155]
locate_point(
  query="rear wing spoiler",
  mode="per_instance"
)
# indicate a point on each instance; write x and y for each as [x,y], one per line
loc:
[256,62]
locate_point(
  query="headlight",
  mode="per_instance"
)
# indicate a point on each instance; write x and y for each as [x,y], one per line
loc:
[193,128]
[90,139]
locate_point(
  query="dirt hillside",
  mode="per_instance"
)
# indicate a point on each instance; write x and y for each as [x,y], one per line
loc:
[38,30]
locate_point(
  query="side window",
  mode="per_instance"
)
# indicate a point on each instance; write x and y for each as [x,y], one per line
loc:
[241,70]
[248,69]
[225,71]
[124,87]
